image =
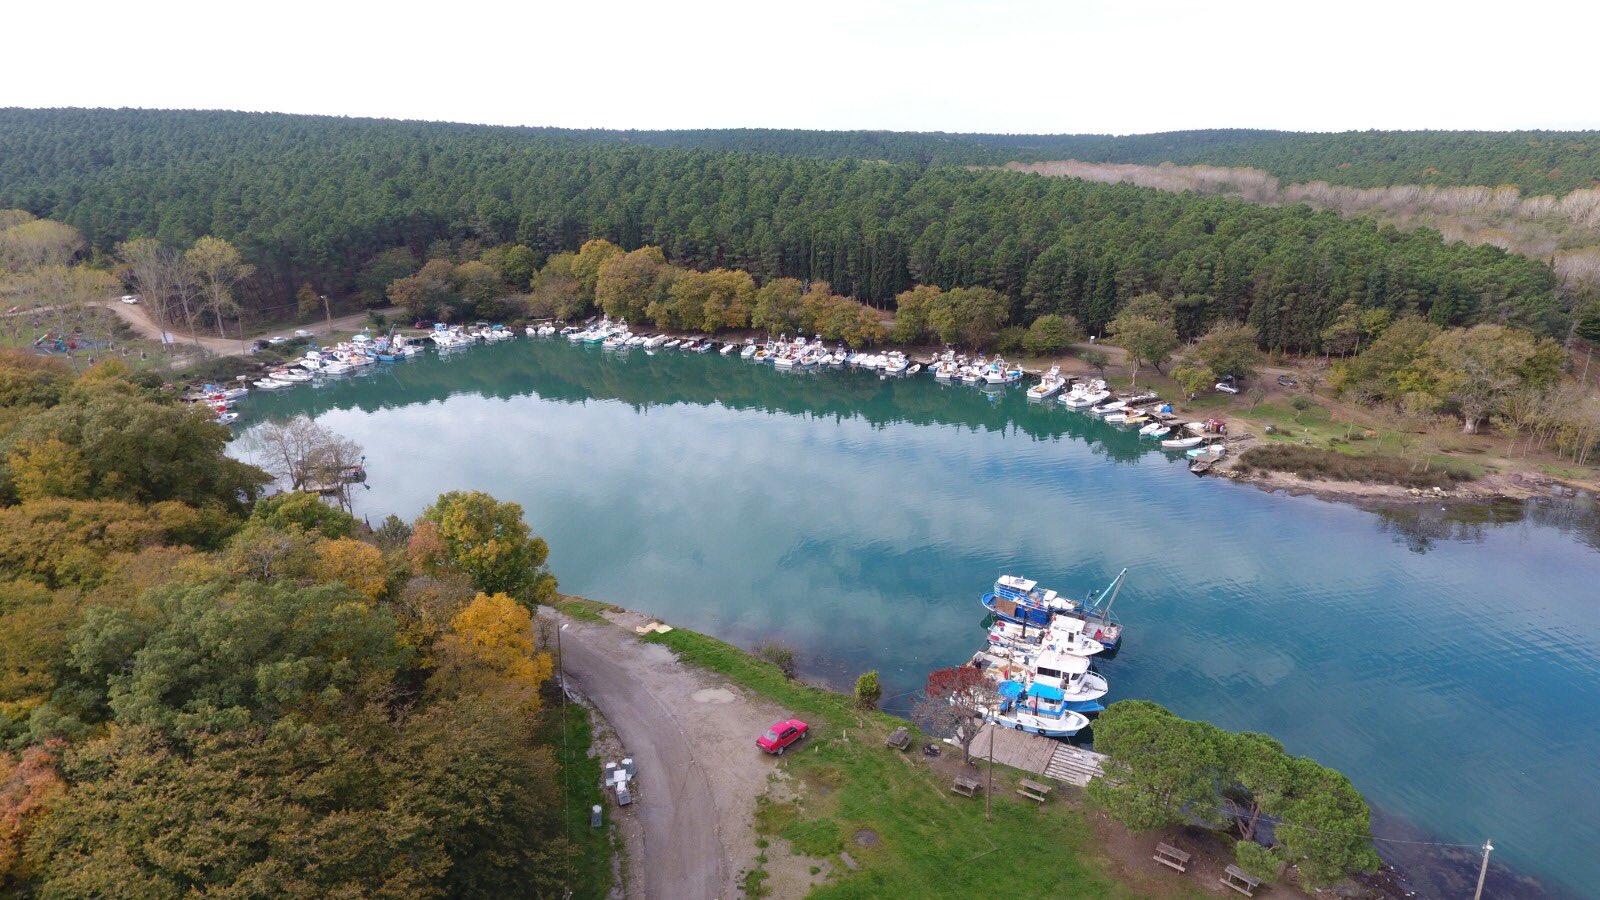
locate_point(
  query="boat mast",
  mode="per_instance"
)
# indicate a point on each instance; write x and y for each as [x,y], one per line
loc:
[1115,588]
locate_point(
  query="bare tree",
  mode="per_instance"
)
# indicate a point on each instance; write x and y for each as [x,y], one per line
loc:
[149,265]
[304,453]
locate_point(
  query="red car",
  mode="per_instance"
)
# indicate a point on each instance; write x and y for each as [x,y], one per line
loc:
[782,735]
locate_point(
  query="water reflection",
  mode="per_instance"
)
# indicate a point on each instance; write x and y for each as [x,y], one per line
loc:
[858,519]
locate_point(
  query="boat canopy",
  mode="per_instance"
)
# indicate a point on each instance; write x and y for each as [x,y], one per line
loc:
[1010,690]
[1065,663]
[1018,583]
[1067,625]
[1045,692]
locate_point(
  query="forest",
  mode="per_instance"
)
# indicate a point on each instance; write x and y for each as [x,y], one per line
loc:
[209,691]
[317,200]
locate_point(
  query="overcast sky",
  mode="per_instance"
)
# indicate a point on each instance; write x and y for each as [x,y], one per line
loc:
[1120,66]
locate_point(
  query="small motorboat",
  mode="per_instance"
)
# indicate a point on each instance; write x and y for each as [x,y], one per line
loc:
[749,350]
[915,368]
[1209,451]
[728,348]
[271,384]
[1182,443]
[673,344]
[1049,385]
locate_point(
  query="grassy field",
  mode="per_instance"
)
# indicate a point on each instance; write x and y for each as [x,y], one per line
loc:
[930,842]
[580,778]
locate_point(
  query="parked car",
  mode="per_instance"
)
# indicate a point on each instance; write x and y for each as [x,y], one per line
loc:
[1286,381]
[277,339]
[302,333]
[782,735]
[1226,388]
[128,298]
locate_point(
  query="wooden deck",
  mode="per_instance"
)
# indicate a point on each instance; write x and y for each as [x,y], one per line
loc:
[1039,755]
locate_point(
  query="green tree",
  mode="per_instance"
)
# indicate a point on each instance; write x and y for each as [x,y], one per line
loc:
[1052,334]
[220,269]
[213,656]
[868,690]
[1477,368]
[911,314]
[1160,770]
[385,268]
[1325,826]
[1146,340]
[1097,360]
[429,294]
[712,301]
[777,306]
[556,290]
[586,269]
[629,285]
[297,509]
[1193,378]
[1228,349]
[487,541]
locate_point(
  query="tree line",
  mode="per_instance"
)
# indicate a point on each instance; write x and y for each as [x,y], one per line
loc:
[207,690]
[319,200]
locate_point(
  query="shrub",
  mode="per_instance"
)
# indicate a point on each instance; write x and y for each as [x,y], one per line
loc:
[780,655]
[1316,463]
[868,690]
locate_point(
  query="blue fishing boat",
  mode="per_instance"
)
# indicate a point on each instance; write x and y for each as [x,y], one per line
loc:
[1037,708]
[1023,601]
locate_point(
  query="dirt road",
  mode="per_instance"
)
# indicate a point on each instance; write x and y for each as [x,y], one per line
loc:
[692,735]
[138,318]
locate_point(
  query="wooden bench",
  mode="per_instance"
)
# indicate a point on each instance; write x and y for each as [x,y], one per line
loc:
[899,739]
[965,786]
[1171,856]
[1033,790]
[1236,878]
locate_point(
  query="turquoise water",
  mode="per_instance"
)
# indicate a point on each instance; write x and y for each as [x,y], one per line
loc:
[1447,662]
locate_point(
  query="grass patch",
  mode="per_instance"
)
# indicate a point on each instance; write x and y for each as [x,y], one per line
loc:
[1316,463]
[579,776]
[818,837]
[582,608]
[931,842]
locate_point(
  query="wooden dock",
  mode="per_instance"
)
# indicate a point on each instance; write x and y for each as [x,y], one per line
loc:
[1039,755]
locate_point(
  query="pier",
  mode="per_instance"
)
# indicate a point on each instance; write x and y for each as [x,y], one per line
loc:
[1039,755]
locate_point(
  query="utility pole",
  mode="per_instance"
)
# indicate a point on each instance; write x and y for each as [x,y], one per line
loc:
[988,791]
[327,310]
[1484,871]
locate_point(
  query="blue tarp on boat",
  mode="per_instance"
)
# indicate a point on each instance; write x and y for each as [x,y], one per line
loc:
[1045,692]
[1010,690]
[1085,706]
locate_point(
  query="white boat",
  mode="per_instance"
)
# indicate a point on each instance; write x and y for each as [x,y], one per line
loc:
[294,377]
[999,372]
[546,330]
[656,341]
[915,368]
[672,344]
[1086,399]
[1065,634]
[895,363]
[227,418]
[1182,443]
[1157,428]
[1209,451]
[271,384]
[947,369]
[728,348]
[749,349]
[336,368]
[1052,382]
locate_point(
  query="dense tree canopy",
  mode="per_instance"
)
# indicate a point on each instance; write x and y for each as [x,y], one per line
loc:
[321,199]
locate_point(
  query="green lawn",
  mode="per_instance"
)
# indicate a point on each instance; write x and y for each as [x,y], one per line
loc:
[580,779]
[932,842]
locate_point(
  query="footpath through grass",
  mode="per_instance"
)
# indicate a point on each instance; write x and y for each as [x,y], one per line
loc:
[930,842]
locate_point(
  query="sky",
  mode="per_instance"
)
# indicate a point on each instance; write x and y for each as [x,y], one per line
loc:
[1012,66]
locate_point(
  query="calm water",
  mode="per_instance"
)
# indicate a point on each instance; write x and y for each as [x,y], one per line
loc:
[1447,662]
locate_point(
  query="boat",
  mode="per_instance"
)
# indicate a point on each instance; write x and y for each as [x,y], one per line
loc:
[1064,633]
[271,384]
[1182,443]
[1002,373]
[1052,382]
[546,330]
[1064,677]
[1085,395]
[672,344]
[1021,600]
[1108,407]
[727,348]
[1155,429]
[948,368]
[1215,450]
[704,346]
[895,363]
[915,368]
[1035,708]
[749,349]
[657,341]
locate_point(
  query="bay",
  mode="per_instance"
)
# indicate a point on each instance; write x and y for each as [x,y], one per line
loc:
[1446,660]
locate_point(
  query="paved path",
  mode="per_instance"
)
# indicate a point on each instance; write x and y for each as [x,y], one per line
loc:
[692,736]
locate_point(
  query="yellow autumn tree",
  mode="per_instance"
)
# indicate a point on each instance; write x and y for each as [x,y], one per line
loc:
[490,647]
[49,468]
[354,563]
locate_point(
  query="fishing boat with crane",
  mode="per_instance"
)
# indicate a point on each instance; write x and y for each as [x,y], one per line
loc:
[1021,600]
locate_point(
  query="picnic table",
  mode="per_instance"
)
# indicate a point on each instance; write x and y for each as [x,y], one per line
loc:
[965,785]
[1033,790]
[899,739]
[1239,880]
[1171,856]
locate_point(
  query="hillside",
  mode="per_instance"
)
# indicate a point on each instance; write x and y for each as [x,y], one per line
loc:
[317,199]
